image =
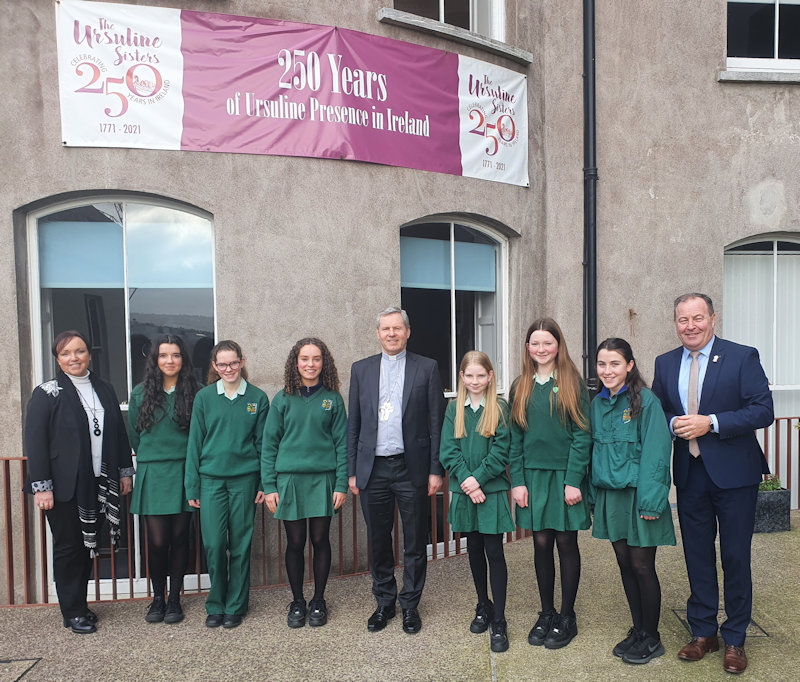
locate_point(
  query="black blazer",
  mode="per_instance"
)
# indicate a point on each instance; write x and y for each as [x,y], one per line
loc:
[423,414]
[57,434]
[735,389]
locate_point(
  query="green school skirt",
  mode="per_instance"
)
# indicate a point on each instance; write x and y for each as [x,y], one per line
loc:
[305,496]
[546,507]
[492,516]
[617,518]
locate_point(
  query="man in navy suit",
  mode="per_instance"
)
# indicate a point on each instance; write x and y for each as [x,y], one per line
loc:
[396,410]
[715,395]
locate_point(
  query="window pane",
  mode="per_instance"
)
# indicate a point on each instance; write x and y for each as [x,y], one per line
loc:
[456,12]
[789,31]
[168,248]
[787,329]
[100,315]
[188,313]
[751,30]
[429,313]
[82,247]
[423,8]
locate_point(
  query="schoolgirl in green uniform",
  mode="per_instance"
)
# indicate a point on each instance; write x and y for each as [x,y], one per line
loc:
[550,448]
[159,412]
[304,468]
[222,474]
[631,480]
[474,449]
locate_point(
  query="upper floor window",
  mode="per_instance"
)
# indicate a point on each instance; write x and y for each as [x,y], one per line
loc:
[123,273]
[452,278]
[764,35]
[485,17]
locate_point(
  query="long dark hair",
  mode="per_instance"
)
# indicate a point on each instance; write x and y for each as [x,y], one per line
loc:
[153,397]
[291,375]
[634,381]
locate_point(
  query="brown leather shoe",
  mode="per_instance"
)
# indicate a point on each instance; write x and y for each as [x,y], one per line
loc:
[699,647]
[735,659]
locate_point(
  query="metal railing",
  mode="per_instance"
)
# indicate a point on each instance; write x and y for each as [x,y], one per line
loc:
[122,574]
[25,557]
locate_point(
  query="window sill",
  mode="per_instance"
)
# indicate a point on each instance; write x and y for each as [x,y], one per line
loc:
[387,15]
[759,76]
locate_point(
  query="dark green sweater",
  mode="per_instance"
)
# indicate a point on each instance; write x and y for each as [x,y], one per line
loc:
[547,443]
[305,435]
[164,439]
[475,455]
[225,436]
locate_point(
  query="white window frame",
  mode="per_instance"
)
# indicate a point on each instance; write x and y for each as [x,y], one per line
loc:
[140,582]
[765,64]
[497,18]
[501,302]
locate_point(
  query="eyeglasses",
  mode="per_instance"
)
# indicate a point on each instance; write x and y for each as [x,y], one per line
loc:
[697,319]
[225,366]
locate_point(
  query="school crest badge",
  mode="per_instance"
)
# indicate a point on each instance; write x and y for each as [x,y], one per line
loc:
[327,404]
[626,415]
[252,408]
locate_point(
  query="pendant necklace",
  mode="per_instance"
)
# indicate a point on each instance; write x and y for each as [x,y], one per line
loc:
[93,410]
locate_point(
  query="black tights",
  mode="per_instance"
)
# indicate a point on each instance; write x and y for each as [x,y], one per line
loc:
[319,527]
[569,560]
[482,548]
[168,551]
[637,566]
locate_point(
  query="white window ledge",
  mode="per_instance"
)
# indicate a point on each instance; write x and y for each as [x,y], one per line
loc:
[759,76]
[395,17]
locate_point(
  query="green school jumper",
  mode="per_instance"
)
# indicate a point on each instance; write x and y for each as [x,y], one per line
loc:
[304,453]
[222,471]
[160,459]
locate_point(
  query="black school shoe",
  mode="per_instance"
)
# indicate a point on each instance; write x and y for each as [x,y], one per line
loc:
[297,614]
[627,643]
[317,613]
[539,631]
[483,616]
[644,649]
[174,612]
[562,633]
[499,638]
[157,610]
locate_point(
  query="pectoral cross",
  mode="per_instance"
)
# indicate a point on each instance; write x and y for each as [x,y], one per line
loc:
[385,410]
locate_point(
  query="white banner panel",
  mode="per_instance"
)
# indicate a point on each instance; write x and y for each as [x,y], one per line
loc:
[493,110]
[120,75]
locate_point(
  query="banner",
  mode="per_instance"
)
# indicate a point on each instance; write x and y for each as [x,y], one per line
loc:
[155,78]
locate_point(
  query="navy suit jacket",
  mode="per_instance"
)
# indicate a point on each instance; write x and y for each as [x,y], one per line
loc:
[423,414]
[735,389]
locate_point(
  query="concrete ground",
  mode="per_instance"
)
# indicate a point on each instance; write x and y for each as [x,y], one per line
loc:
[34,646]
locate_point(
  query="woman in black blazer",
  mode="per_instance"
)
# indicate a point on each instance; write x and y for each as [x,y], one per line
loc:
[79,464]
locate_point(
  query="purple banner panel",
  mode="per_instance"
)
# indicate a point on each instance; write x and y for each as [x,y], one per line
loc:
[156,78]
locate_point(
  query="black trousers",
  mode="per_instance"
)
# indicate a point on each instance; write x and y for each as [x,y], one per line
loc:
[390,483]
[72,564]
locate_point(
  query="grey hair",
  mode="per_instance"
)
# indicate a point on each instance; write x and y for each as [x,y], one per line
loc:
[391,311]
[686,297]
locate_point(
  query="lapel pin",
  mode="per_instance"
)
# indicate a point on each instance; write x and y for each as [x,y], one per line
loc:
[715,358]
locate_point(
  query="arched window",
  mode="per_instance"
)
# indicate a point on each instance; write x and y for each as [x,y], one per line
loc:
[760,308]
[453,287]
[123,272]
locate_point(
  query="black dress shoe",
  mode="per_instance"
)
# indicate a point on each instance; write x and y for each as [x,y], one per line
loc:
[91,616]
[378,620]
[80,625]
[412,623]
[231,620]
[214,620]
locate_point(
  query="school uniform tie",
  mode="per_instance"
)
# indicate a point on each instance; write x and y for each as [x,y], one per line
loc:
[694,379]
